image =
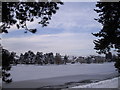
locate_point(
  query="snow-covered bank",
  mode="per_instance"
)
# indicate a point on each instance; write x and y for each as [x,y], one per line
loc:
[0,82]
[32,72]
[111,83]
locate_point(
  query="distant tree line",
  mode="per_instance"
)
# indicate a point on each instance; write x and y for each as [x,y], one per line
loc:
[38,58]
[41,58]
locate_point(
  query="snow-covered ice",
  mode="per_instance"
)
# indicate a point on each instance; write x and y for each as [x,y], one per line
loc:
[111,83]
[32,72]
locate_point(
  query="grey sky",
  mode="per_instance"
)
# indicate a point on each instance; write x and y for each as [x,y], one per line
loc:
[69,32]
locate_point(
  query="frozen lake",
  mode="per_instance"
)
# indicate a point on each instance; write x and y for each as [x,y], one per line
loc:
[32,76]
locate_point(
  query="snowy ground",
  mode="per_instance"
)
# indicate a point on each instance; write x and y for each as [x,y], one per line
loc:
[0,82]
[32,72]
[111,83]
[0,78]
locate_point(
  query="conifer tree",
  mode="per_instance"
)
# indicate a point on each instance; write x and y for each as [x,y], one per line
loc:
[6,56]
[109,35]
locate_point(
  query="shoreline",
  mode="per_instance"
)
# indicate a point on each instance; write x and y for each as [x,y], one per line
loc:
[57,81]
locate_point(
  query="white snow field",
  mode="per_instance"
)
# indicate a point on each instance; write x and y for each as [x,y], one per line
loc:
[111,83]
[32,72]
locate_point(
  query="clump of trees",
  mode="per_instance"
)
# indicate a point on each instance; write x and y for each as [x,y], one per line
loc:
[40,58]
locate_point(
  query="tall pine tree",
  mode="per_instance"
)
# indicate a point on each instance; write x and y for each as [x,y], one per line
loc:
[109,35]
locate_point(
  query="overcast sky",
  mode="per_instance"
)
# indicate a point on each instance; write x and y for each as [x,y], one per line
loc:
[69,32]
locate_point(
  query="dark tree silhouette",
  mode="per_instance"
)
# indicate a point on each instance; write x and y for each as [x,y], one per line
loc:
[109,35]
[58,58]
[6,57]
[65,59]
[18,13]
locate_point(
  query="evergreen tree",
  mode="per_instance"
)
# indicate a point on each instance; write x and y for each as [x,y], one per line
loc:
[6,65]
[21,59]
[26,58]
[38,58]
[65,59]
[30,57]
[58,58]
[51,58]
[12,59]
[46,58]
[109,17]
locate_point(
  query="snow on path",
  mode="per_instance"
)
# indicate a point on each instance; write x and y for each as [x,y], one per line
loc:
[0,83]
[32,72]
[111,83]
